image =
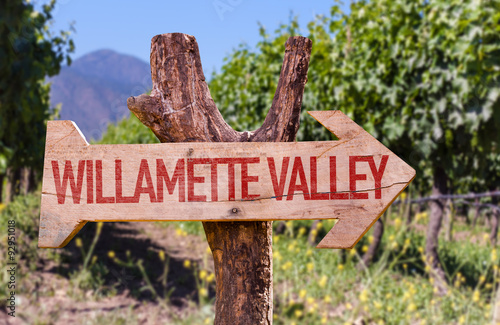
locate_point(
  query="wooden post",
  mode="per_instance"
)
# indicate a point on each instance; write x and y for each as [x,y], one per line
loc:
[180,109]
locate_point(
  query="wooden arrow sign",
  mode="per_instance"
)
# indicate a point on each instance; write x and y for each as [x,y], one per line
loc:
[353,180]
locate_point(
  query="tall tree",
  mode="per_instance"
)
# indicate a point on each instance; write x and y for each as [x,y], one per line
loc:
[421,76]
[29,52]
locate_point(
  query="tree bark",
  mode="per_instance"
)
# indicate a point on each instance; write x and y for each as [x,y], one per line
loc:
[14,183]
[31,181]
[440,187]
[476,212]
[495,216]
[180,109]
[378,232]
[449,212]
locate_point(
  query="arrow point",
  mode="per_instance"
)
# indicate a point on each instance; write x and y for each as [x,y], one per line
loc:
[64,133]
[338,123]
[346,233]
[55,232]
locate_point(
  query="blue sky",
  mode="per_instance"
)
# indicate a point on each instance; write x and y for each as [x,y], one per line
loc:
[219,25]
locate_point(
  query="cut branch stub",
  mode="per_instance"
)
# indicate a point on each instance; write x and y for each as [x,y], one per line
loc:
[181,109]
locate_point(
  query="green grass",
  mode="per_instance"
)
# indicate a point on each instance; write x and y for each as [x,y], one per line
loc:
[311,286]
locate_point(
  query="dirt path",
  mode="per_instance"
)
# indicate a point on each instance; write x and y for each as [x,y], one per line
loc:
[52,298]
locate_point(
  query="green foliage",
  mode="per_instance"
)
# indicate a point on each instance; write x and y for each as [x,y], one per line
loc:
[326,286]
[28,54]
[423,77]
[128,130]
[25,211]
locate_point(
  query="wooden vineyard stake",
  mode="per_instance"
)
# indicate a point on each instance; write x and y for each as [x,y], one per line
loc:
[235,182]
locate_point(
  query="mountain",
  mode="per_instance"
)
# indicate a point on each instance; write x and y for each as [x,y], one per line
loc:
[93,91]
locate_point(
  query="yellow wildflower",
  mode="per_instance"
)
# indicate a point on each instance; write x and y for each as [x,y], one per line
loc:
[286,266]
[203,274]
[322,282]
[348,306]
[203,292]
[111,254]
[310,267]
[340,267]
[298,313]
[78,242]
[211,278]
[327,299]
[187,264]
[161,255]
[475,296]
[364,248]
[302,293]
[363,296]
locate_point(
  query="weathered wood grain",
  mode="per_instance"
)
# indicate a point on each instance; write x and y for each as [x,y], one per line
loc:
[218,192]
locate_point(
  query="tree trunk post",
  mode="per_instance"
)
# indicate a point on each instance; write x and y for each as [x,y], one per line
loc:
[181,109]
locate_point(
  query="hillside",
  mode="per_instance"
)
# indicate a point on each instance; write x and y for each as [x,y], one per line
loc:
[93,91]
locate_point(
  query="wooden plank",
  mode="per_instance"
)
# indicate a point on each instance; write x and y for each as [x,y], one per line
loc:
[353,179]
